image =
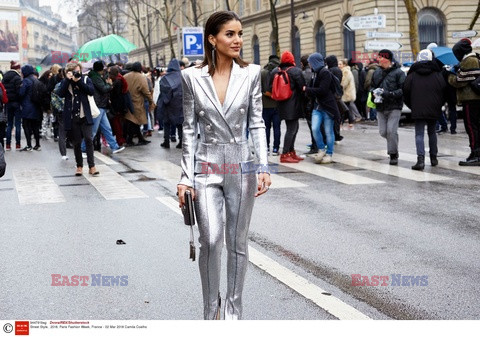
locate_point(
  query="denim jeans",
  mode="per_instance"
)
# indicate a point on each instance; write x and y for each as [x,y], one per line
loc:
[102,122]
[320,117]
[388,127]
[271,116]
[13,114]
[419,136]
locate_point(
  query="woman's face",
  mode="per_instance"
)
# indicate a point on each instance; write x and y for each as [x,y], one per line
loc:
[228,42]
[340,64]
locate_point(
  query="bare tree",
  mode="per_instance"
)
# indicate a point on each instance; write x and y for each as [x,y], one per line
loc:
[103,17]
[413,22]
[274,21]
[475,17]
[230,8]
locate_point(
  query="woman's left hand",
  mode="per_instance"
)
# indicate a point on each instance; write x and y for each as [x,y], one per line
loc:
[264,183]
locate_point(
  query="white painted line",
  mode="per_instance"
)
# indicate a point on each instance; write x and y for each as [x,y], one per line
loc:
[36,186]
[279,181]
[106,160]
[111,185]
[329,303]
[442,163]
[329,173]
[392,170]
[305,288]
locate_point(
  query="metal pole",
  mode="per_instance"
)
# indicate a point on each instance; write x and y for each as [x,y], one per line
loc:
[292,32]
[179,44]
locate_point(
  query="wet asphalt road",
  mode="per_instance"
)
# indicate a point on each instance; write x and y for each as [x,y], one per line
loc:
[326,232]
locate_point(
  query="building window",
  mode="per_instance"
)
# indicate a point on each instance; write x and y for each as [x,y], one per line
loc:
[320,39]
[256,50]
[241,8]
[258,5]
[431,27]
[297,48]
[348,42]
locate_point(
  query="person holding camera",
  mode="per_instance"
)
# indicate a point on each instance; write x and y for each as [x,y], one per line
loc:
[77,115]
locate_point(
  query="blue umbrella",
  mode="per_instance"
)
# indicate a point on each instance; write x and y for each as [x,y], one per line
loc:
[445,55]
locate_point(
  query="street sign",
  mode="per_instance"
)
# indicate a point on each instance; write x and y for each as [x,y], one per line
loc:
[465,33]
[378,45]
[192,41]
[384,35]
[366,22]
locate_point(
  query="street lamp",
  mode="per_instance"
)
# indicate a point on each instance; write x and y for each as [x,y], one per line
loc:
[292,30]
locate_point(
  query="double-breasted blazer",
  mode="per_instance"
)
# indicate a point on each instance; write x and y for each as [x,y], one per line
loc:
[222,128]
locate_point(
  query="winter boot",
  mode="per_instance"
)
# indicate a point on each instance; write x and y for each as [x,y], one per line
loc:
[433,160]
[294,155]
[394,159]
[420,165]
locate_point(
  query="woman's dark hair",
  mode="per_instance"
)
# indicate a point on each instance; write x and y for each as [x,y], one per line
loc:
[137,67]
[212,27]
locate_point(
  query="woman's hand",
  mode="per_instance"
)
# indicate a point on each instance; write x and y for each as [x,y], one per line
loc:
[181,194]
[264,183]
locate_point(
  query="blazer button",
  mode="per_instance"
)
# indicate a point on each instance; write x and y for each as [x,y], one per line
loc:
[237,126]
[214,141]
[208,127]
[232,140]
[242,111]
[202,113]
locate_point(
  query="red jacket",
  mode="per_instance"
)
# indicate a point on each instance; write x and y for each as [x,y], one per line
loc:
[4,94]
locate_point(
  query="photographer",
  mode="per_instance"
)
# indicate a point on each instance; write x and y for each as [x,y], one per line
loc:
[77,115]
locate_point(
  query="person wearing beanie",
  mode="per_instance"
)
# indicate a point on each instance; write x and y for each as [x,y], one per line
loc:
[426,105]
[325,110]
[270,112]
[31,113]
[308,75]
[468,71]
[290,110]
[387,84]
[102,89]
[12,80]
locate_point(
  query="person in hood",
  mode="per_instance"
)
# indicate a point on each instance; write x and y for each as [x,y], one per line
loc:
[332,65]
[170,102]
[12,80]
[290,110]
[426,105]
[468,70]
[31,113]
[325,111]
[270,111]
[388,79]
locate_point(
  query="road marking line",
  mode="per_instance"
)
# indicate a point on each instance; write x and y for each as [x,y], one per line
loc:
[330,173]
[392,170]
[113,186]
[302,286]
[36,186]
[446,164]
[107,160]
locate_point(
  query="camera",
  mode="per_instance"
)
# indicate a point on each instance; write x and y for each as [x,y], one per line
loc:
[77,74]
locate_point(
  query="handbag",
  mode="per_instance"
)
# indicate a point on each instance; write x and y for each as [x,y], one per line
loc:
[93,106]
[189,219]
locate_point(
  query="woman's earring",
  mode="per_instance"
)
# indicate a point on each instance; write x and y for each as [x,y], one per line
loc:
[213,55]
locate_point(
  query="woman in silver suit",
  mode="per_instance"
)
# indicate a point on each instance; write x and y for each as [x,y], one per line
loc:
[221,99]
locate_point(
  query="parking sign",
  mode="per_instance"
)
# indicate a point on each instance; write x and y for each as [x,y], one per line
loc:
[192,41]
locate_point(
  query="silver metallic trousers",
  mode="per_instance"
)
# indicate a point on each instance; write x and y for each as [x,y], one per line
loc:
[222,185]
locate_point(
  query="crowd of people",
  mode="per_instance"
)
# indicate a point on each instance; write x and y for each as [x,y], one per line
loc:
[134,100]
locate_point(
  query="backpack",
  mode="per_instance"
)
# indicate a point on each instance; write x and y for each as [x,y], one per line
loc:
[281,87]
[57,102]
[336,87]
[40,96]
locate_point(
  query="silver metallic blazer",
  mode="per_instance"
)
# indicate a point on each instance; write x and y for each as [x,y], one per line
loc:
[222,129]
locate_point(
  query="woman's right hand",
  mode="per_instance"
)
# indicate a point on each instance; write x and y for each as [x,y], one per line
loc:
[181,193]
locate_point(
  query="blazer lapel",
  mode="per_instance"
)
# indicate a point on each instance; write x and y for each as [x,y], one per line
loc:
[206,83]
[235,84]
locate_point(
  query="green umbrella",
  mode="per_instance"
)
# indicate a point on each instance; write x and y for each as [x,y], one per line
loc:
[105,46]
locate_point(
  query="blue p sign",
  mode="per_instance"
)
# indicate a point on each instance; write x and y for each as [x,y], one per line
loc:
[192,41]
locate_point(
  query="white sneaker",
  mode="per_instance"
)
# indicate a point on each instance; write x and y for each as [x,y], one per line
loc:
[120,149]
[64,157]
[319,156]
[84,155]
[327,159]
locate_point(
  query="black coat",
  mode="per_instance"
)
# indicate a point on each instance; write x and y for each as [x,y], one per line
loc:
[85,90]
[30,110]
[3,164]
[392,85]
[291,108]
[12,82]
[424,90]
[320,89]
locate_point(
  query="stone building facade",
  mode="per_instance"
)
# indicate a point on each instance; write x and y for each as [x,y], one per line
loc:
[318,26]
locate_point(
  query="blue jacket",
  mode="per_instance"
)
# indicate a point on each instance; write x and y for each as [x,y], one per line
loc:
[85,90]
[171,94]
[29,109]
